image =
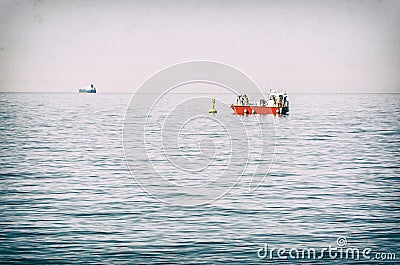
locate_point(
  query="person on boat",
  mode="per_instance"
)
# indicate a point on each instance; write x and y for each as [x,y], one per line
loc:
[246,100]
[278,101]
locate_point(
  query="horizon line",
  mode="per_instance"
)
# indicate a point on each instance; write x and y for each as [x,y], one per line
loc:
[69,92]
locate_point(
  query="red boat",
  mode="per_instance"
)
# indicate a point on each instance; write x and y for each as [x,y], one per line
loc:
[276,103]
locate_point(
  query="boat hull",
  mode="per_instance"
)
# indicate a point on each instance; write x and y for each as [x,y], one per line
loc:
[87,90]
[248,109]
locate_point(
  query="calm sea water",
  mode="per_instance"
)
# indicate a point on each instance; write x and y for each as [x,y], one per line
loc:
[67,195]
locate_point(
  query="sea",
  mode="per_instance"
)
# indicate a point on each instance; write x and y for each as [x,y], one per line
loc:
[84,181]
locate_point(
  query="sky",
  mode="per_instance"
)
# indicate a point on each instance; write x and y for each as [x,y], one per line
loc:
[301,46]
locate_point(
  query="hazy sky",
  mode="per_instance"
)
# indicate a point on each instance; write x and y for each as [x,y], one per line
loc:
[305,46]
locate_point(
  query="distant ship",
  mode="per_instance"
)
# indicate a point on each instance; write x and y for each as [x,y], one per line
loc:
[89,89]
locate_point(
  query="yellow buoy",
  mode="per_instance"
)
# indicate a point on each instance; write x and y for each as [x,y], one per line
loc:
[213,110]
